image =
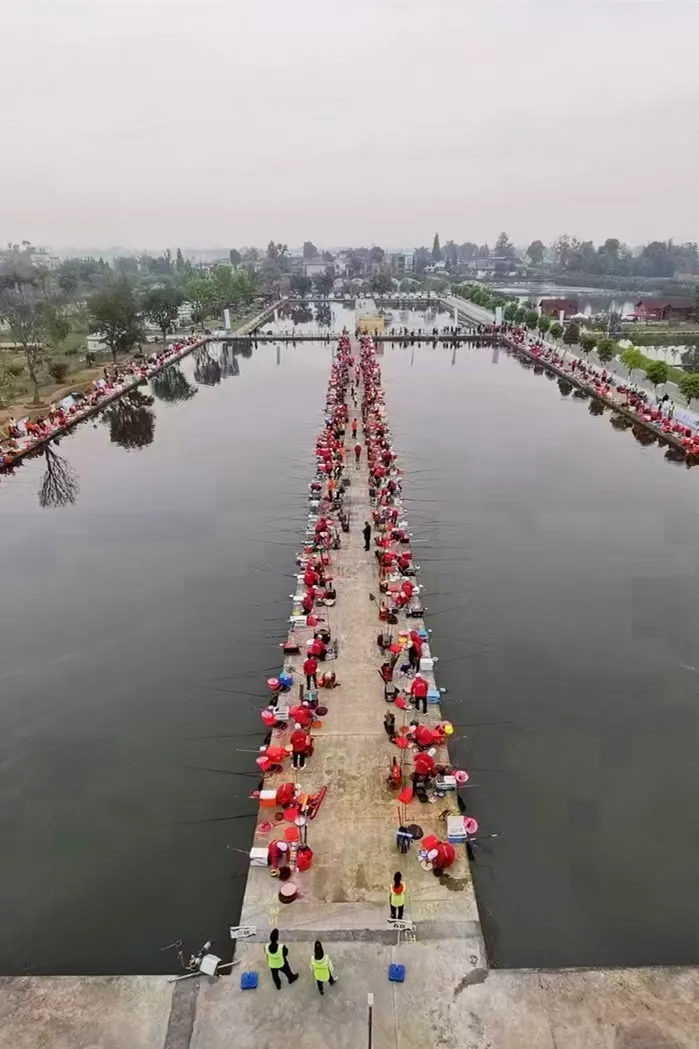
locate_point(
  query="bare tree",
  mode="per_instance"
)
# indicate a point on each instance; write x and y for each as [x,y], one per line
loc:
[59,486]
[24,305]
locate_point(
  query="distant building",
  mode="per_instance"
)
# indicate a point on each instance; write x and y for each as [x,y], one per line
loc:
[314,267]
[552,307]
[438,268]
[96,344]
[672,309]
[496,266]
[401,262]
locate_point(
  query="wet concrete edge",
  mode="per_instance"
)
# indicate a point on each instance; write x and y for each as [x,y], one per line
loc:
[183,1012]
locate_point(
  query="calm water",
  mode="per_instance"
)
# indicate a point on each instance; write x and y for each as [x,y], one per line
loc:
[142,618]
[560,558]
[130,616]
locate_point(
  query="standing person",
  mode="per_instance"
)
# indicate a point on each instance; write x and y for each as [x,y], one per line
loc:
[278,960]
[397,896]
[366,532]
[322,967]
[418,691]
[354,429]
[310,669]
[299,744]
[357,453]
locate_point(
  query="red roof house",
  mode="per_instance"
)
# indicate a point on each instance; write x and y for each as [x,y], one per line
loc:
[552,307]
[672,309]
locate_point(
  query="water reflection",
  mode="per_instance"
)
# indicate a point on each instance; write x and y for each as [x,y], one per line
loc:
[566,388]
[171,385]
[131,421]
[643,436]
[229,360]
[207,370]
[324,315]
[59,485]
[596,406]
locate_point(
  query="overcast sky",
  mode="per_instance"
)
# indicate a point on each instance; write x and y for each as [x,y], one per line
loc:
[205,123]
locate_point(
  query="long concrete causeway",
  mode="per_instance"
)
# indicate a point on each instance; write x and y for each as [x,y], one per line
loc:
[450,998]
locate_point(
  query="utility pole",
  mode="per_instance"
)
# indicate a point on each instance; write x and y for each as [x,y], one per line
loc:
[370,1018]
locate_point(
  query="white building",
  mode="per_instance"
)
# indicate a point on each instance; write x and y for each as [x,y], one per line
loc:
[314,267]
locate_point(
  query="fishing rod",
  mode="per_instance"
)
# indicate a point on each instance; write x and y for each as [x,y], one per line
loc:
[216,819]
[222,772]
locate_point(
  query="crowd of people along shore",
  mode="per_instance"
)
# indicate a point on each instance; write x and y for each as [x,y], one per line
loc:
[24,435]
[656,411]
[419,769]
[299,692]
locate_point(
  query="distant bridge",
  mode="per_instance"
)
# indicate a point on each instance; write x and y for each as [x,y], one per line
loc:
[412,337]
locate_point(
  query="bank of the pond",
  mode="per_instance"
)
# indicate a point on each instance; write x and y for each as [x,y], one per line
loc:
[72,410]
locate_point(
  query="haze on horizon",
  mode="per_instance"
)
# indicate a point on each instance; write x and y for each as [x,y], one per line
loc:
[143,123]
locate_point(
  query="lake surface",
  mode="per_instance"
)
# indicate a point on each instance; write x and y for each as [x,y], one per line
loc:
[137,620]
[143,616]
[560,559]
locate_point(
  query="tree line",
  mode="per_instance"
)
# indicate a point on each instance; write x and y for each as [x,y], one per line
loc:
[41,307]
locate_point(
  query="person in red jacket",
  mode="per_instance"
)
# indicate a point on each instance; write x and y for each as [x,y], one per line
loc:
[299,743]
[277,854]
[419,690]
[425,737]
[310,669]
[303,714]
[441,857]
[415,649]
[357,453]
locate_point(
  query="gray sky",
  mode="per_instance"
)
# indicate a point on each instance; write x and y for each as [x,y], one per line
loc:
[227,122]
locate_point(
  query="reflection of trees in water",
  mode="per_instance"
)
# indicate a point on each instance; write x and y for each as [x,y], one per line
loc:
[582,395]
[229,360]
[643,436]
[620,422]
[131,421]
[172,385]
[207,370]
[596,406]
[566,388]
[244,348]
[59,486]
[324,315]
[301,315]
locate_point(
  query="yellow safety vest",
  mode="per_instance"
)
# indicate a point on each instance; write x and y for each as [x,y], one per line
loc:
[275,959]
[397,899]
[321,969]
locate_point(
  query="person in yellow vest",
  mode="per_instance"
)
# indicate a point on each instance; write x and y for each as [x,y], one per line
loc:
[278,960]
[397,896]
[322,967]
